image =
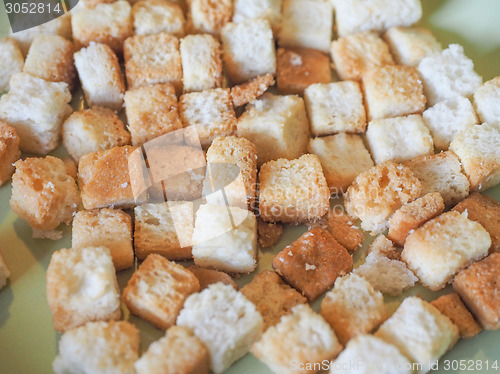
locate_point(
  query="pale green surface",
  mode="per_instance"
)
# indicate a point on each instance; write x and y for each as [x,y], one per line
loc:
[28,343]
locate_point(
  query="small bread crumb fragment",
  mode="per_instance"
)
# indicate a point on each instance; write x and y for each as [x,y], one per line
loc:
[269,233]
[247,92]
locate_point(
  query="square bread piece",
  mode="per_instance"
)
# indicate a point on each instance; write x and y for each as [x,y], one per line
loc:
[300,338]
[82,287]
[277,125]
[419,331]
[313,262]
[343,229]
[224,320]
[99,348]
[267,9]
[378,192]
[353,307]
[306,24]
[343,157]
[151,59]
[487,102]
[4,272]
[36,109]
[92,130]
[247,92]
[293,190]
[272,297]
[240,41]
[11,61]
[354,54]
[210,276]
[155,16]
[110,228]
[109,24]
[179,351]
[201,57]
[225,238]
[298,68]
[478,149]
[398,139]
[207,16]
[101,77]
[151,112]
[478,287]
[157,290]
[448,75]
[409,45]
[443,246]
[9,151]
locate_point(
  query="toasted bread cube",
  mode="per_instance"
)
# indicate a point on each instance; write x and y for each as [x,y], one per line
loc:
[343,229]
[9,151]
[11,61]
[153,17]
[109,24]
[98,347]
[293,190]
[207,16]
[36,119]
[267,9]
[211,276]
[157,290]
[354,54]
[478,287]
[82,287]
[277,125]
[487,102]
[92,3]
[201,62]
[240,41]
[247,92]
[225,238]
[110,228]
[443,246]
[478,149]
[298,68]
[269,233]
[224,320]
[382,246]
[343,157]
[378,192]
[448,75]
[452,307]
[4,272]
[100,75]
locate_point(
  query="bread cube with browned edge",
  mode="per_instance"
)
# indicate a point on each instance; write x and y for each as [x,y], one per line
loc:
[269,233]
[487,102]
[99,348]
[44,195]
[343,229]
[110,228]
[443,246]
[478,287]
[224,320]
[313,262]
[206,16]
[9,151]
[210,276]
[250,9]
[82,287]
[247,92]
[4,272]
[293,190]
[153,17]
[384,247]
[157,290]
[11,61]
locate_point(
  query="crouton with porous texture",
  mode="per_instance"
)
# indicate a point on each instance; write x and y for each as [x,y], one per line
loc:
[269,233]
[207,16]
[343,229]
[409,45]
[382,246]
[268,9]
[11,61]
[155,16]
[487,102]
[9,151]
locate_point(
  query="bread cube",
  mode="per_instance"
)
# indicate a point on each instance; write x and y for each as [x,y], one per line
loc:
[448,75]
[298,68]
[378,192]
[206,277]
[201,62]
[82,287]
[307,24]
[478,149]
[354,54]
[153,17]
[398,139]
[443,246]
[277,125]
[98,347]
[151,59]
[343,229]
[36,109]
[92,3]
[409,45]
[293,190]
[224,320]
[11,61]
[269,233]
[240,41]
[247,92]
[225,238]
[268,9]
[9,151]
[4,272]
[100,75]
[343,157]
[383,247]
[109,24]
[110,228]
[179,351]
[157,290]
[487,102]
[207,16]
[478,287]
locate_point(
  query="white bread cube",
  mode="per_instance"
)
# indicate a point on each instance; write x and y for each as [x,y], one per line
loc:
[207,16]
[420,332]
[224,320]
[443,246]
[335,107]
[448,75]
[11,61]
[9,151]
[268,9]
[240,42]
[277,125]
[4,272]
[154,16]
[487,102]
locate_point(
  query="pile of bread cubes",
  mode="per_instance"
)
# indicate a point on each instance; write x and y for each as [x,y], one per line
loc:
[404,130]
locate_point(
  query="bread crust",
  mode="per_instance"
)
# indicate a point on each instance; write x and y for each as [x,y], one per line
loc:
[249,91]
[452,307]
[9,151]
